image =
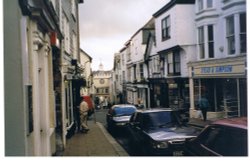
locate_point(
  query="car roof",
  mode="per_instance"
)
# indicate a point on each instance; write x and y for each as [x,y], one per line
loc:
[239,122]
[123,106]
[155,110]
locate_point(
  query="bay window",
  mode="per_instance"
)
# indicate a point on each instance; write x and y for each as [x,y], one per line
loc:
[201,43]
[243,37]
[230,35]
[210,41]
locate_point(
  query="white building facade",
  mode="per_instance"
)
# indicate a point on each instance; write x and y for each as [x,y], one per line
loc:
[33,50]
[220,69]
[85,61]
[175,47]
[136,86]
[195,48]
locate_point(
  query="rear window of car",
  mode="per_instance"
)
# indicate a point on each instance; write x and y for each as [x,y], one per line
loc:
[124,111]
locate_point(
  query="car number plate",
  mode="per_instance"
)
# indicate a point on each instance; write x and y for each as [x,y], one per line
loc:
[178,153]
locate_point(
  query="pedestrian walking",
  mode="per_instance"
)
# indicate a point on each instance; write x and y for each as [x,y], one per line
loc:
[84,116]
[204,105]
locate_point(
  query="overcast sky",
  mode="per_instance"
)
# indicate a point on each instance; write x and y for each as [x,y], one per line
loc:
[105,25]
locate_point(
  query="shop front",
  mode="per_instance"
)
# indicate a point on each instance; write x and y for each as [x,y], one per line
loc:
[223,82]
[169,92]
[158,92]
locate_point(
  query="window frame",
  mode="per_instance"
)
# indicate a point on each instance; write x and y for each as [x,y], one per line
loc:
[210,41]
[141,70]
[200,5]
[207,3]
[166,28]
[230,37]
[243,34]
[174,61]
[73,8]
[201,42]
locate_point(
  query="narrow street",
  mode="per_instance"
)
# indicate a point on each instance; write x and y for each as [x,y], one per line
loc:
[122,136]
[173,74]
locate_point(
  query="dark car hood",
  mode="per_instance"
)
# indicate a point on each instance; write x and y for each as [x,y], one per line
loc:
[172,133]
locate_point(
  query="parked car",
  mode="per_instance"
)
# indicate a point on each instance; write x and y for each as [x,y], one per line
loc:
[159,132]
[90,103]
[119,115]
[227,137]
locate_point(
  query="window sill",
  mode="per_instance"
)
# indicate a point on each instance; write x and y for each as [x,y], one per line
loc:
[164,39]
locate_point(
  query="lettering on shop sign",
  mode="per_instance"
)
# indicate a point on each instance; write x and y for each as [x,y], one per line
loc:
[218,69]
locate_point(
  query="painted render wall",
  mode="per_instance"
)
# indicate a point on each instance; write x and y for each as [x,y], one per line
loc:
[182,27]
[14,109]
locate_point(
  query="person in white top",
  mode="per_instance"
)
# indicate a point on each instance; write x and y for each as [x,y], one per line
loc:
[84,116]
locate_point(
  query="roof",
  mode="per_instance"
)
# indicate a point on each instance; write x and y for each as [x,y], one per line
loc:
[239,122]
[123,106]
[156,110]
[171,4]
[86,54]
[148,26]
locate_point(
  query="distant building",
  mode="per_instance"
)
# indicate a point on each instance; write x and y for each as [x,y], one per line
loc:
[101,84]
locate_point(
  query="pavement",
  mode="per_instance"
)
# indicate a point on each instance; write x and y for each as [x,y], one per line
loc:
[96,142]
[199,123]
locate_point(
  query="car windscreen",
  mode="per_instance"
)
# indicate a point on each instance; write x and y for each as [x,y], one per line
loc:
[159,119]
[120,111]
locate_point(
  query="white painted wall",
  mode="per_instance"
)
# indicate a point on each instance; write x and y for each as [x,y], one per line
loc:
[182,33]
[216,16]
[137,48]
[182,27]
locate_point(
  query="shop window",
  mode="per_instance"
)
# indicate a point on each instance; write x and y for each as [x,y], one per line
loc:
[205,87]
